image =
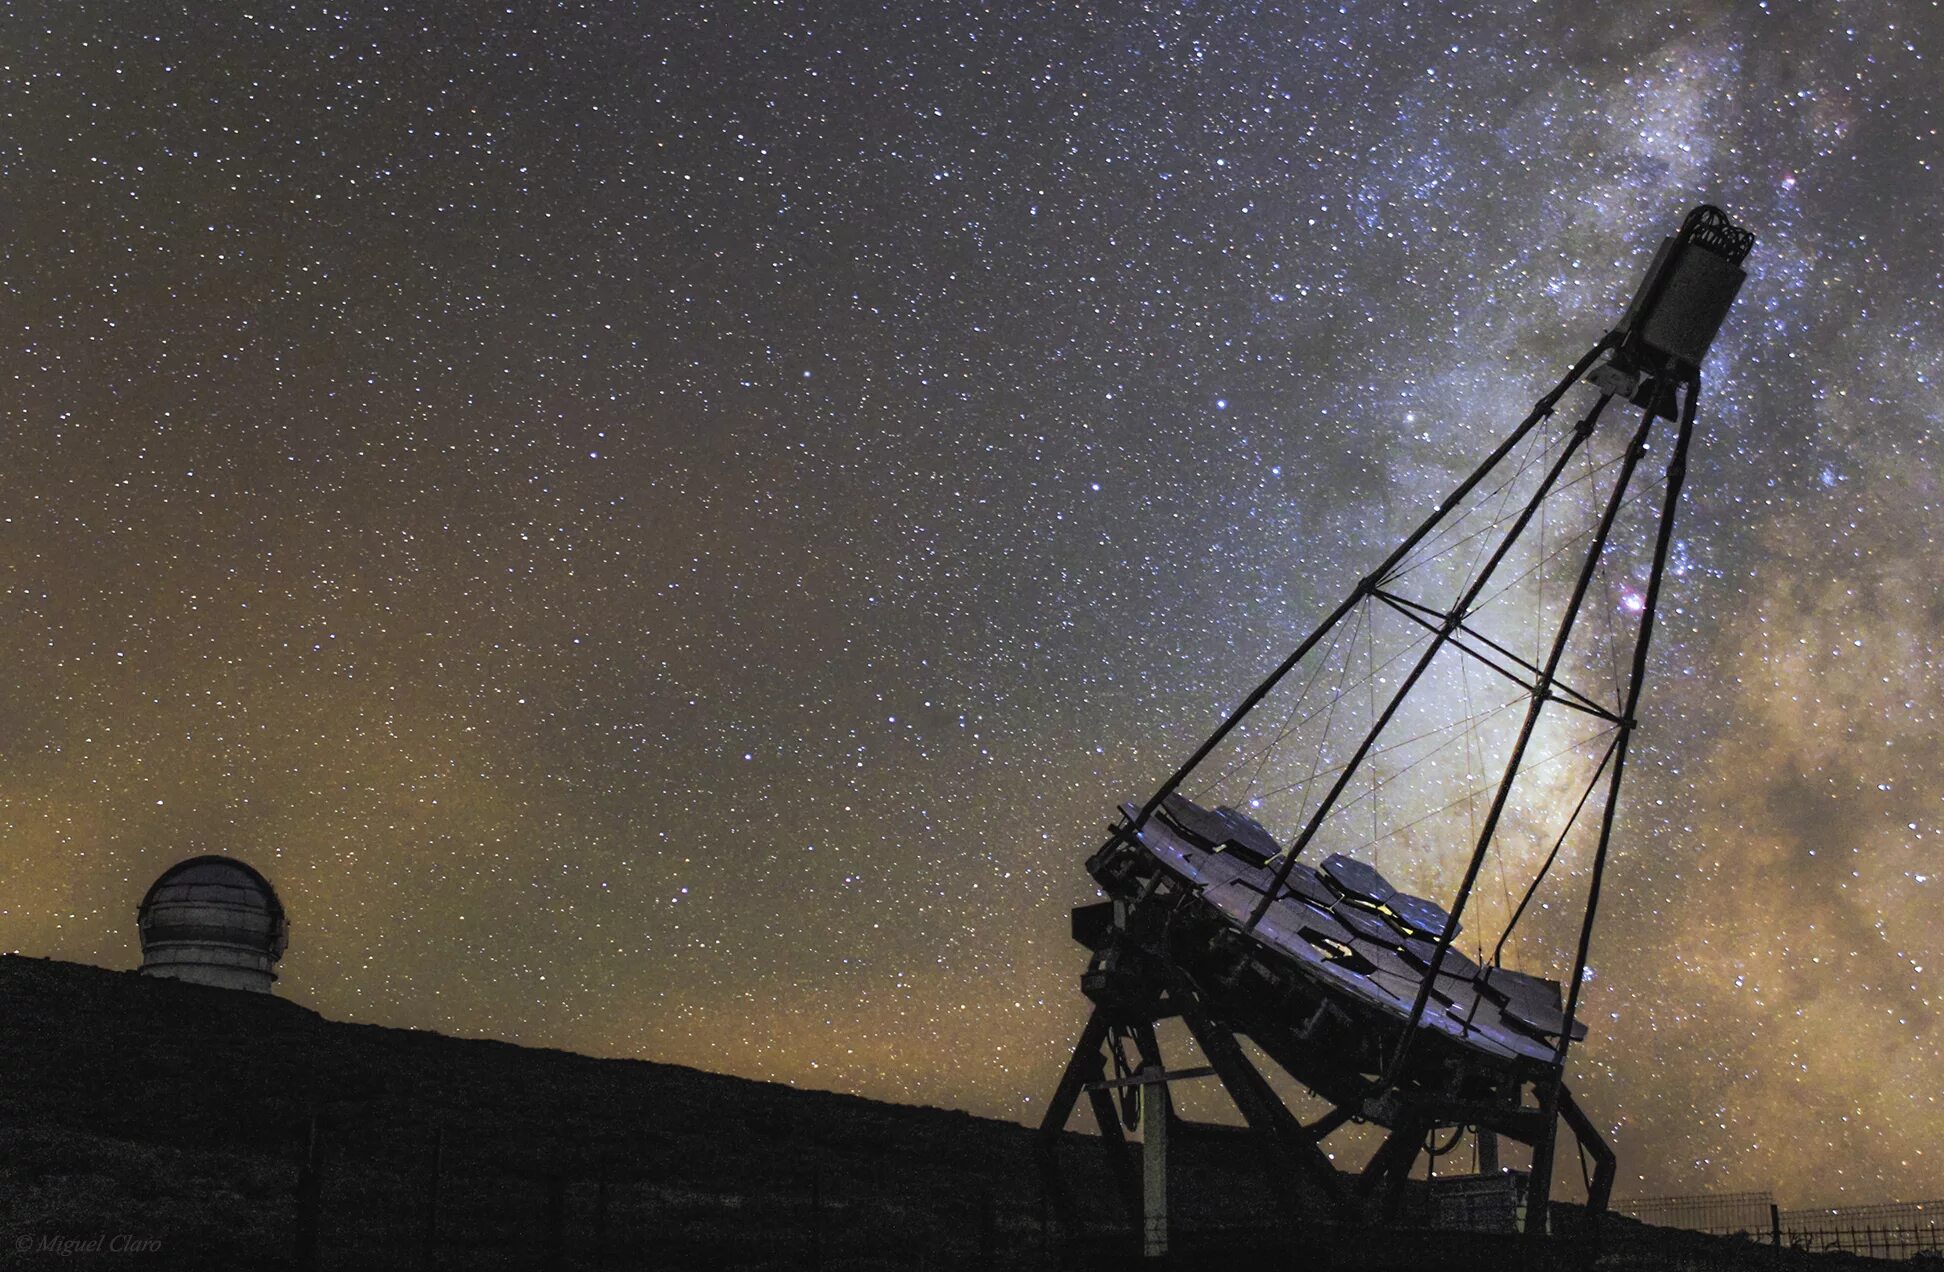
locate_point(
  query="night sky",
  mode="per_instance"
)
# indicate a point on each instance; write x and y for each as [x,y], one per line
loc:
[666,531]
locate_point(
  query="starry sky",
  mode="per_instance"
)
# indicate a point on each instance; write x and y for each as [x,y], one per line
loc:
[666,530]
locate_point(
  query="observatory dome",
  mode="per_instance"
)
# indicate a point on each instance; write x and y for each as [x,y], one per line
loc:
[214,921]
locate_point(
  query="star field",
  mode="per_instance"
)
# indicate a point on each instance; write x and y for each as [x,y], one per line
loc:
[667,530]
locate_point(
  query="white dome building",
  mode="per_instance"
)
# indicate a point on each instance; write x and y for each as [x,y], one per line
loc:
[213,921]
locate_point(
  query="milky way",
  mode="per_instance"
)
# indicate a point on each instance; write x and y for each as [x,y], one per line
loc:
[666,532]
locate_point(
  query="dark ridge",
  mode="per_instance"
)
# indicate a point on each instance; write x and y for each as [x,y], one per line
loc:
[153,1111]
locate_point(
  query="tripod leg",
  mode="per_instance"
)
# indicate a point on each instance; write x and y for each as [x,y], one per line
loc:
[1120,1158]
[1151,1055]
[1391,1165]
[1302,1169]
[1086,1057]
[1084,1065]
[1604,1166]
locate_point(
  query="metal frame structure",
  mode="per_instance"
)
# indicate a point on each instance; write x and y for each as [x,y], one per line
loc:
[1158,955]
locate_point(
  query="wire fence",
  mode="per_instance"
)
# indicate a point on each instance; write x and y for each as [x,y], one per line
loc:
[1893,1230]
[1719,1214]
[1882,1230]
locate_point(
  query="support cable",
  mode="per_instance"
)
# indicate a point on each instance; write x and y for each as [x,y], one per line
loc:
[1592,784]
[1502,493]
[1423,614]
[1289,724]
[1426,758]
[1676,477]
[1535,766]
[1570,484]
[1329,717]
[1580,433]
[1636,448]
[1540,411]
